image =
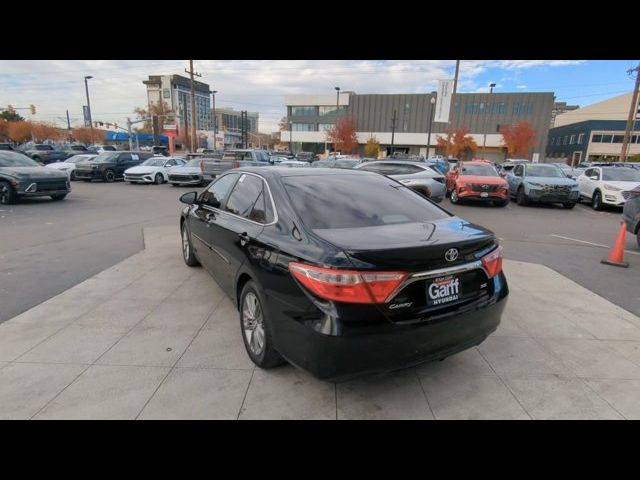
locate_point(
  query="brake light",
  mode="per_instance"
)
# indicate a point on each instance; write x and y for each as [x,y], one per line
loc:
[351,286]
[236,164]
[492,262]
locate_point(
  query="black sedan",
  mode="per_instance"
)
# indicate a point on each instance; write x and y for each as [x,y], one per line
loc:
[22,177]
[343,272]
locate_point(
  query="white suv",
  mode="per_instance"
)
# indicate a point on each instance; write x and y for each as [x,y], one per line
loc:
[607,185]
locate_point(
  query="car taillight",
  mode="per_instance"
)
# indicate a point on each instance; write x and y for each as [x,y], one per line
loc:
[492,262]
[236,164]
[350,286]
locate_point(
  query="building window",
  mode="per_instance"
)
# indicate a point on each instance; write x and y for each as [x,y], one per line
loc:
[303,127]
[634,138]
[572,139]
[564,142]
[580,138]
[596,138]
[323,127]
[304,111]
[330,110]
[607,138]
[522,108]
[618,138]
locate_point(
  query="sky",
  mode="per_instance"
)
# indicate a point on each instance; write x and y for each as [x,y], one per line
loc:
[55,86]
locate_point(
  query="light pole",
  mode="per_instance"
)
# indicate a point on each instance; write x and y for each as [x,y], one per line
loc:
[484,128]
[335,145]
[432,101]
[86,88]
[215,120]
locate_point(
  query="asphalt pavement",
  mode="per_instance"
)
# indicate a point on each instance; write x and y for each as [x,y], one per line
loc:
[47,247]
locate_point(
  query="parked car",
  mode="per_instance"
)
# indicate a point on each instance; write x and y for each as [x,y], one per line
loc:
[189,173]
[20,176]
[293,163]
[541,183]
[153,170]
[234,159]
[340,162]
[338,281]
[607,185]
[509,165]
[109,166]
[69,165]
[418,176]
[45,153]
[631,213]
[477,180]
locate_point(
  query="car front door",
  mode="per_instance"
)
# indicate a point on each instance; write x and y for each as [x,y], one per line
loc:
[203,226]
[591,180]
[237,228]
[124,162]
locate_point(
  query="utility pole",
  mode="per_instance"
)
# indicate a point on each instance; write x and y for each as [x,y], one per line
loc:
[194,139]
[393,131]
[633,111]
[69,126]
[129,132]
[455,89]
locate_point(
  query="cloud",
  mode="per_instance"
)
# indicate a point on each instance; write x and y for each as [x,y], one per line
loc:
[521,87]
[55,86]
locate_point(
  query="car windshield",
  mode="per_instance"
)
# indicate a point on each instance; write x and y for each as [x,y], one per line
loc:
[154,162]
[345,201]
[12,159]
[479,170]
[44,147]
[78,158]
[107,157]
[194,162]
[621,174]
[544,171]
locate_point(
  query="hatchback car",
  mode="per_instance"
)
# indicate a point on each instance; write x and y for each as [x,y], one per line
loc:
[338,281]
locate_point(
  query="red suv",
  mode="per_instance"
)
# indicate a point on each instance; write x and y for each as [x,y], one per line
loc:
[477,180]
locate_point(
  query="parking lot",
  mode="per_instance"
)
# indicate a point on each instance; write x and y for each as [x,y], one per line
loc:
[103,320]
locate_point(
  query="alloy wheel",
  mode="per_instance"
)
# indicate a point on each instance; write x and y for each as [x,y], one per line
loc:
[253,323]
[185,244]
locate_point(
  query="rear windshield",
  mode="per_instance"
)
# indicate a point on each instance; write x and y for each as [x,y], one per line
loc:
[347,201]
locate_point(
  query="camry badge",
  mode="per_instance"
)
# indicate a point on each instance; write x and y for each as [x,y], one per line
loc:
[451,255]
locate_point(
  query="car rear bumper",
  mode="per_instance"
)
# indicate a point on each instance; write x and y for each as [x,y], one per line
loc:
[387,346]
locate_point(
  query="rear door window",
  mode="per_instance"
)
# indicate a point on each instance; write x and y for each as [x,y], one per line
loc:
[245,195]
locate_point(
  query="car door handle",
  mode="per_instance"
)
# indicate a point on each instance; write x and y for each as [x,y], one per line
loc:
[244,238]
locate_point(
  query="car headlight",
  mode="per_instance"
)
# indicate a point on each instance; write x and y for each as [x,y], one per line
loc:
[611,188]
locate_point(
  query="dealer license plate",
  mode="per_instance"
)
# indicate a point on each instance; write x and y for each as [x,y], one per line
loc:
[443,290]
[484,194]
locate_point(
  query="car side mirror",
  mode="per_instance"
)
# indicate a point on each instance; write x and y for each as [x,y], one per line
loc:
[189,198]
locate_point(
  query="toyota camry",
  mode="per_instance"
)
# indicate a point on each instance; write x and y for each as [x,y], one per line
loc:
[343,272]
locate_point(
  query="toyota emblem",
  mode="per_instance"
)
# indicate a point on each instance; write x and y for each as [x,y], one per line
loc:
[451,255]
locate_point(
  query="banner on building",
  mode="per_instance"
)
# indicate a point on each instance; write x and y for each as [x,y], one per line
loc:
[443,103]
[87,118]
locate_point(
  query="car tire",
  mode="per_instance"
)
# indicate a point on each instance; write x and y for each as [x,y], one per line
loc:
[58,197]
[521,197]
[454,197]
[569,205]
[72,176]
[109,176]
[255,328]
[501,203]
[638,239]
[187,248]
[596,201]
[7,194]
[158,179]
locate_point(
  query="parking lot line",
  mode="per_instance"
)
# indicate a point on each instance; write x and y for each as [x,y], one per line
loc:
[590,243]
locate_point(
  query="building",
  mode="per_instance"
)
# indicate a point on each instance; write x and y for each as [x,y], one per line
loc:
[309,116]
[229,122]
[175,91]
[595,132]
[560,108]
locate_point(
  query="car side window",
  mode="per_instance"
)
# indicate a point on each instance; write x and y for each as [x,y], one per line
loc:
[218,191]
[171,163]
[245,195]
[518,171]
[588,172]
[124,157]
[262,211]
[596,173]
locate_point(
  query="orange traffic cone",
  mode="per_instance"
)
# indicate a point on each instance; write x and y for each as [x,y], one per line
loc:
[616,257]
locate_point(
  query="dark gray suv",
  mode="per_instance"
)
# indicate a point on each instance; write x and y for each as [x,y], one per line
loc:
[631,213]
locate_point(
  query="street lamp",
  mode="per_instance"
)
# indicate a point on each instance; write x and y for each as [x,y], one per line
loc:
[484,128]
[86,87]
[335,145]
[432,101]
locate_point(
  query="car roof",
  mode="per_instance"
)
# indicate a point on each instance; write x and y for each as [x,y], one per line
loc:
[275,171]
[398,161]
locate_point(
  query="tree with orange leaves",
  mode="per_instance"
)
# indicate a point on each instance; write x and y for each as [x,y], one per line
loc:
[19,132]
[518,140]
[343,135]
[457,144]
[4,129]
[88,135]
[45,131]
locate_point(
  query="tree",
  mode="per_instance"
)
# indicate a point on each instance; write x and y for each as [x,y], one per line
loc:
[457,144]
[343,135]
[158,108]
[283,124]
[372,148]
[4,130]
[88,135]
[519,139]
[42,131]
[19,132]
[11,116]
